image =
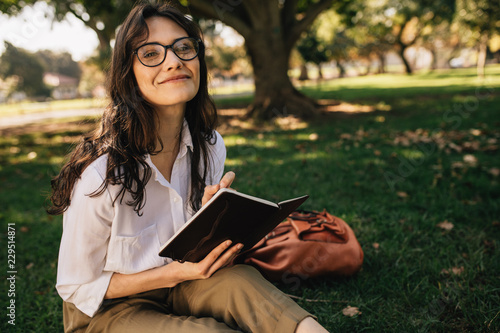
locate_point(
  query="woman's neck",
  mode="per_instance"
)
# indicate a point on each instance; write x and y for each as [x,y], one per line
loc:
[170,127]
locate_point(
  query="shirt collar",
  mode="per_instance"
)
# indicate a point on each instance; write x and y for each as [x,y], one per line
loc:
[186,139]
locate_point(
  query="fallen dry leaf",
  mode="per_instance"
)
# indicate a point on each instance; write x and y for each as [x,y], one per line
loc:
[402,194]
[475,132]
[313,136]
[495,172]
[470,159]
[445,225]
[491,148]
[453,270]
[471,145]
[457,270]
[351,311]
[14,150]
[455,147]
[488,244]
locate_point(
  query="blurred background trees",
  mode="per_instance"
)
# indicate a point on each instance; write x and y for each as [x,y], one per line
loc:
[25,71]
[481,18]
[335,37]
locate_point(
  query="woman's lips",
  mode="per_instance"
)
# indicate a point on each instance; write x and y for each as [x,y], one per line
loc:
[175,78]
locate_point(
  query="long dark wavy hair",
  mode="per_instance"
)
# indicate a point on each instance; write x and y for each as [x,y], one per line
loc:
[128,129]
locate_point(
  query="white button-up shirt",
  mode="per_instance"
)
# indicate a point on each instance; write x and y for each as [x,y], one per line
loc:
[100,238]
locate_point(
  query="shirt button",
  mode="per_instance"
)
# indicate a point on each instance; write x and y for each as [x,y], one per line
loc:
[176,200]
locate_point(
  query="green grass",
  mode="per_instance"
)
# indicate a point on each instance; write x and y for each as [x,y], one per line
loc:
[392,175]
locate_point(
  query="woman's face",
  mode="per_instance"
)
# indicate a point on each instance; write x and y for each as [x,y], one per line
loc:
[175,81]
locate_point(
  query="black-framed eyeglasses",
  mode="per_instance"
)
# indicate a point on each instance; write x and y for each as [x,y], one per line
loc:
[154,54]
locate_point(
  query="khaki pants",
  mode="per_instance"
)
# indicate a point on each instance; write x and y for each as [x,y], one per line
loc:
[233,299]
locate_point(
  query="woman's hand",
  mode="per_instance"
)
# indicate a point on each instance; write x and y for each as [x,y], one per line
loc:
[219,257]
[170,275]
[210,190]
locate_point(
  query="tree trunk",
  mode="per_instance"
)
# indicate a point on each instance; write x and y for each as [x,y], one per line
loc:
[320,72]
[406,63]
[271,29]
[434,63]
[304,75]
[381,65]
[368,68]
[341,69]
[481,57]
[275,95]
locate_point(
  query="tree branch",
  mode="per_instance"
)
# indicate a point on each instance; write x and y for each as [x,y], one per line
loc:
[288,14]
[222,11]
[309,16]
[254,12]
[401,32]
[91,23]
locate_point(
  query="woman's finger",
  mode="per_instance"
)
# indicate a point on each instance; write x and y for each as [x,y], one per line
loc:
[227,180]
[212,257]
[226,258]
[209,193]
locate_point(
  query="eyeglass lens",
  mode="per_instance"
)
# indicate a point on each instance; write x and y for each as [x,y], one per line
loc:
[154,54]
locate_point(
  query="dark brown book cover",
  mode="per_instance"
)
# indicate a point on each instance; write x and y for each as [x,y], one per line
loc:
[228,215]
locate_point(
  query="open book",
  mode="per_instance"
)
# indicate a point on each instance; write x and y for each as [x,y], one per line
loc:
[227,215]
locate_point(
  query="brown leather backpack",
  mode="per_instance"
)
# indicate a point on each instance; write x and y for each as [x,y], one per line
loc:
[308,244]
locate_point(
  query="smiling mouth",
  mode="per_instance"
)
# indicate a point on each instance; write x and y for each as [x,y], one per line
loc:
[175,79]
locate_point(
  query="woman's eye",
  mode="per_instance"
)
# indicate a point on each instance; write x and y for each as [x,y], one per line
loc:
[150,54]
[183,48]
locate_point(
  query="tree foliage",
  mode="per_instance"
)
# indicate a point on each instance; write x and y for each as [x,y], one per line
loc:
[222,59]
[483,18]
[312,49]
[61,63]
[101,16]
[398,23]
[26,68]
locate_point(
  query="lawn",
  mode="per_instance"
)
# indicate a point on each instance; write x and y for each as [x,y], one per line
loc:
[416,177]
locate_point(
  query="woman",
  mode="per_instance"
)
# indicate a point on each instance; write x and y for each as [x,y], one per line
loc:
[133,182]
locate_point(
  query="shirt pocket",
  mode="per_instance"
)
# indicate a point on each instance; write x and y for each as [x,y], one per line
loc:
[132,254]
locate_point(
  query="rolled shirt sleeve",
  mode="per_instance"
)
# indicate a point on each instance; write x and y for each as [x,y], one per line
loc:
[82,255]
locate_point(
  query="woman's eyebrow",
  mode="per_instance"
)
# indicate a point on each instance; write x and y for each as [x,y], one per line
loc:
[158,42]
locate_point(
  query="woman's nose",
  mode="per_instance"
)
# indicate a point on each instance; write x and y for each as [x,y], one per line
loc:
[171,61]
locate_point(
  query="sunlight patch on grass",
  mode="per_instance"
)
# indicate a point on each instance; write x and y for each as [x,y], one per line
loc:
[232,162]
[234,140]
[236,88]
[57,160]
[413,154]
[9,109]
[241,142]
